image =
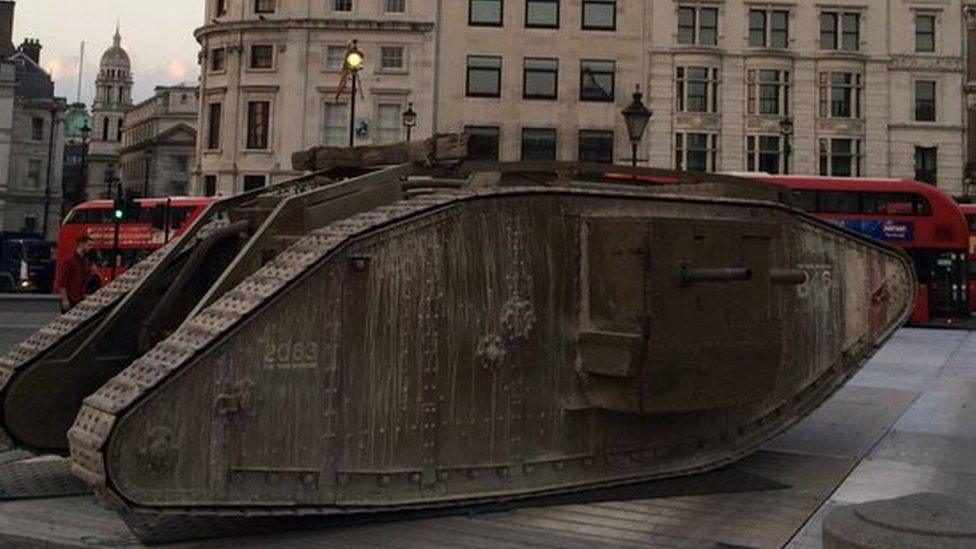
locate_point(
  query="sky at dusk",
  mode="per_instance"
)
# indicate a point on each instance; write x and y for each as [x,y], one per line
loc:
[157,35]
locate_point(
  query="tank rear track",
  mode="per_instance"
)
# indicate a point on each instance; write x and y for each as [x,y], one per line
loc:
[487,334]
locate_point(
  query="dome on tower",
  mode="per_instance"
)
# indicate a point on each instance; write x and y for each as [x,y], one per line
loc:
[116,57]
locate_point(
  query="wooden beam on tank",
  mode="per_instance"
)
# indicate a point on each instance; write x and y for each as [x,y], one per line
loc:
[438,149]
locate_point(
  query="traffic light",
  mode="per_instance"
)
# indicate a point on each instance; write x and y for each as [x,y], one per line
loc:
[125,208]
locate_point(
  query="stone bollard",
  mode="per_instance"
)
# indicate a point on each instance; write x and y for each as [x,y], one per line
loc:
[918,521]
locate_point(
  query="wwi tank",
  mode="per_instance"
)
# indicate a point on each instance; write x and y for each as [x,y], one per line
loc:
[487,333]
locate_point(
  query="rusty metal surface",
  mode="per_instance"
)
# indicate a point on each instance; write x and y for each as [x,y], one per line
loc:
[538,427]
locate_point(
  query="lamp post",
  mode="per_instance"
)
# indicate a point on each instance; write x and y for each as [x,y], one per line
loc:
[352,65]
[82,193]
[786,129]
[636,116]
[145,185]
[409,120]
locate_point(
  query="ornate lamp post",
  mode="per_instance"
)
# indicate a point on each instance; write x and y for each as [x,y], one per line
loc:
[353,63]
[82,192]
[636,116]
[409,120]
[786,129]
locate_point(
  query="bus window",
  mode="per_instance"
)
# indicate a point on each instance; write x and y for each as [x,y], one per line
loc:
[805,200]
[839,202]
[130,257]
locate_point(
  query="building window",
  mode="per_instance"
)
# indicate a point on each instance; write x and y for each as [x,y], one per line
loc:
[926,164]
[335,56]
[396,6]
[538,144]
[840,31]
[389,124]
[392,58]
[209,185]
[485,13]
[33,173]
[542,14]
[483,142]
[924,33]
[769,29]
[696,152]
[253,182]
[221,7]
[597,80]
[840,157]
[262,56]
[258,120]
[698,26]
[924,101]
[599,14]
[840,95]
[484,76]
[341,5]
[764,153]
[118,129]
[696,89]
[105,124]
[264,6]
[336,128]
[218,60]
[30,223]
[540,77]
[37,129]
[769,92]
[596,146]
[214,112]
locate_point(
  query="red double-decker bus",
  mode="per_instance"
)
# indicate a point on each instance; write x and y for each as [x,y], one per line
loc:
[157,221]
[919,218]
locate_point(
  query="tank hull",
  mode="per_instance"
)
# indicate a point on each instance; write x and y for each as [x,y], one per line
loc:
[484,346]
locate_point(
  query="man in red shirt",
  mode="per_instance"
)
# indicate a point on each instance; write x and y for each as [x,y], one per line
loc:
[74,274]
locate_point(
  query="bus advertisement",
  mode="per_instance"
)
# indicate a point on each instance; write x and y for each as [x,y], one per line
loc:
[156,222]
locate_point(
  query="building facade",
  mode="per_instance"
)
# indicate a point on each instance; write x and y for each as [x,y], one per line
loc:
[270,73]
[113,99]
[872,88]
[869,88]
[33,146]
[159,139]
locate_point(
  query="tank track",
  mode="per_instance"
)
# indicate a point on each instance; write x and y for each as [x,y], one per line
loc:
[89,436]
[66,324]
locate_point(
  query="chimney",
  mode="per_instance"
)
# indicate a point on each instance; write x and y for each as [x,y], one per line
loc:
[32,48]
[6,29]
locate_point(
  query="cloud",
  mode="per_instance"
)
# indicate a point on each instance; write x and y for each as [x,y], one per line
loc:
[177,69]
[59,69]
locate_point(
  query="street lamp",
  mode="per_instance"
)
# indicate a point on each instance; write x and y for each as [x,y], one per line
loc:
[786,129]
[145,185]
[352,65]
[82,193]
[636,115]
[409,120]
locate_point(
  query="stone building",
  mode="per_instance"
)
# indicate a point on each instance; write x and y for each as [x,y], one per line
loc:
[113,98]
[77,130]
[270,72]
[159,139]
[872,87]
[869,87]
[31,138]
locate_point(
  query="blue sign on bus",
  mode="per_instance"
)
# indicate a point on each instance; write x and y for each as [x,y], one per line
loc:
[887,231]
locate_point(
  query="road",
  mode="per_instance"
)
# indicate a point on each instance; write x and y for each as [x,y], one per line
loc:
[904,424]
[21,316]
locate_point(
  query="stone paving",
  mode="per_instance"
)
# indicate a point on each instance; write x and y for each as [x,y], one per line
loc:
[906,423]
